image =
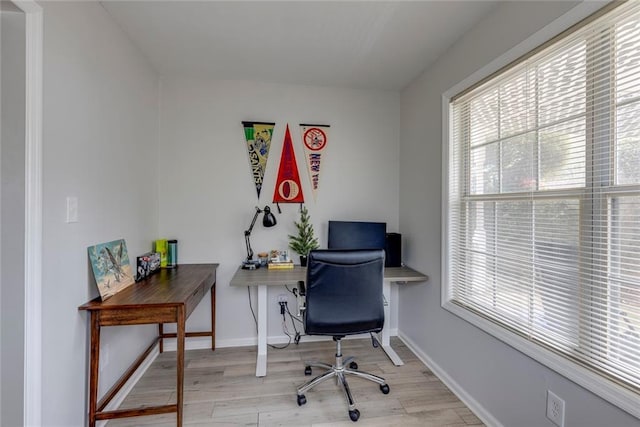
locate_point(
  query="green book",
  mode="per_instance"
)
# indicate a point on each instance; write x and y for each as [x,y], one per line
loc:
[162,246]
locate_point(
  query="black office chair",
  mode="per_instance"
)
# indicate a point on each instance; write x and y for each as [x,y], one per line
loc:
[344,297]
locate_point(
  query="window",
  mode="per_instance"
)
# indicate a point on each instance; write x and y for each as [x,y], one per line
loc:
[543,203]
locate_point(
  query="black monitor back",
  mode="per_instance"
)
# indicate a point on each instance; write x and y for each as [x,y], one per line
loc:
[357,235]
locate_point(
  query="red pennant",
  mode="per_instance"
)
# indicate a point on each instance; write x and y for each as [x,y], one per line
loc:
[288,188]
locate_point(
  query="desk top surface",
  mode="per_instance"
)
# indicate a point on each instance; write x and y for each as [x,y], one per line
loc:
[166,287]
[264,276]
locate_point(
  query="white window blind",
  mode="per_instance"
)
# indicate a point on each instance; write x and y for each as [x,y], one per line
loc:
[543,227]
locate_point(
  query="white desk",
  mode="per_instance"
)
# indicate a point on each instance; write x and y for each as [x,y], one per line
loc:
[263,277]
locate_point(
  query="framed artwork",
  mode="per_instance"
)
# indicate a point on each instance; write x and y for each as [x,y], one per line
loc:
[111,267]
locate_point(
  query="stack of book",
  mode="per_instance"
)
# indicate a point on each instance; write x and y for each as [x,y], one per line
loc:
[281,265]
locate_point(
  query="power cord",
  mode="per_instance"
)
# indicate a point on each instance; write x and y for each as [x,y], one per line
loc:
[293,318]
[284,325]
[283,308]
[295,293]
[251,307]
[301,290]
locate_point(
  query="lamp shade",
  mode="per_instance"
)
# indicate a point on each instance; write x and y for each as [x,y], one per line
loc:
[269,219]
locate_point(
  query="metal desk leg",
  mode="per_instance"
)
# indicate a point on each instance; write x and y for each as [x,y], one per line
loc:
[261,362]
[386,344]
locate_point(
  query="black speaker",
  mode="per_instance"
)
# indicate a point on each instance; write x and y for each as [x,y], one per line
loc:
[393,249]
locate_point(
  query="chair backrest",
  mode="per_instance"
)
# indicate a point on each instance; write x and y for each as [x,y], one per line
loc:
[344,292]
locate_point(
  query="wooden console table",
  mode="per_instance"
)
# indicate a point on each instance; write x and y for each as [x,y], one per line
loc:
[168,296]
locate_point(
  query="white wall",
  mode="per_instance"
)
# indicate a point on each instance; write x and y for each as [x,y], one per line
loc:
[507,385]
[100,140]
[12,154]
[208,197]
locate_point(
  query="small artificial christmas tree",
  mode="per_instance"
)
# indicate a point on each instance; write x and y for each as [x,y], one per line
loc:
[305,241]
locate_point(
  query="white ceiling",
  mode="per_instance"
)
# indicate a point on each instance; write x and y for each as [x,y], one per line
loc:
[359,44]
[8,6]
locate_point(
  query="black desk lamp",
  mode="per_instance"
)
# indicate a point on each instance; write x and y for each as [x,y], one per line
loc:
[269,220]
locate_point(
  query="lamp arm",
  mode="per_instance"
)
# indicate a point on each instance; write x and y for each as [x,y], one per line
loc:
[247,234]
[249,250]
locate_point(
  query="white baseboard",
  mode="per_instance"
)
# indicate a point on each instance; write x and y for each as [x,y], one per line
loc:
[128,386]
[479,410]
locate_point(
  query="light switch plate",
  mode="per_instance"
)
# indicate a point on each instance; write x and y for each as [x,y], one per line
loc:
[72,209]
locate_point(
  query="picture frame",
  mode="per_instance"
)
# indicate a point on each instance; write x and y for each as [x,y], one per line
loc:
[111,267]
[147,264]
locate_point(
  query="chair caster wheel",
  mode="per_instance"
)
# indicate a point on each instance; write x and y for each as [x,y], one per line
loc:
[353,365]
[301,400]
[384,389]
[354,415]
[307,370]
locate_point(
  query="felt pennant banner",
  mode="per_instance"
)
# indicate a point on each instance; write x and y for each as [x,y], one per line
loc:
[288,188]
[314,140]
[258,136]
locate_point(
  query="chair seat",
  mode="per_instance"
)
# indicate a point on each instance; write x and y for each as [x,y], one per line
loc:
[329,316]
[343,328]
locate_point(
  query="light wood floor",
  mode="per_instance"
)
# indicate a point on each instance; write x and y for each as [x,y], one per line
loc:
[221,389]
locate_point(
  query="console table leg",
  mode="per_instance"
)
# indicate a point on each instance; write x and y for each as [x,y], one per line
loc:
[180,361]
[161,335]
[213,317]
[94,367]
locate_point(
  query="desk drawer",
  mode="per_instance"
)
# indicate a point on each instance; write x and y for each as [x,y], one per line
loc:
[194,299]
[139,316]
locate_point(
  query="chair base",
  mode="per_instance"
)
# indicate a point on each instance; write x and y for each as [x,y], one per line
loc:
[340,371]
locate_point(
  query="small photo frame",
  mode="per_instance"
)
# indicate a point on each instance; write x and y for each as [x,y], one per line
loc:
[147,264]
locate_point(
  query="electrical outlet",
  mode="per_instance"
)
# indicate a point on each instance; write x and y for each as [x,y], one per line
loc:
[282,298]
[555,409]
